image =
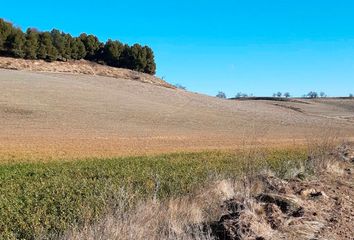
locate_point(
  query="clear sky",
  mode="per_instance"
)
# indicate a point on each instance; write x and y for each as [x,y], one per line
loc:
[252,46]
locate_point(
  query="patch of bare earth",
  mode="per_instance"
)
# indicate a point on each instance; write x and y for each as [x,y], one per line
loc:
[319,208]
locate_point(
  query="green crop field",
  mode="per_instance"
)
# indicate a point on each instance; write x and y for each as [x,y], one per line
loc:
[43,200]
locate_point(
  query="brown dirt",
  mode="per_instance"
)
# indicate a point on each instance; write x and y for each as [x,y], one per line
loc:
[83,115]
[321,207]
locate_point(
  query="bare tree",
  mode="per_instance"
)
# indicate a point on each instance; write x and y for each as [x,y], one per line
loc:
[312,94]
[221,94]
[287,95]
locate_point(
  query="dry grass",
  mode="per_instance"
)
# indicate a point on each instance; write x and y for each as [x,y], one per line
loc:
[179,218]
[80,67]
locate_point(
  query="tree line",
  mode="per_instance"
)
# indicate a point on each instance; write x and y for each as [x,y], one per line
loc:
[311,94]
[59,46]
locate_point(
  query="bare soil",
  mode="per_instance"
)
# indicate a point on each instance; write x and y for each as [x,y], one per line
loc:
[86,115]
[320,207]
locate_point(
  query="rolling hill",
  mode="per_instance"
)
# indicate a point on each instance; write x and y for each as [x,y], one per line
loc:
[67,114]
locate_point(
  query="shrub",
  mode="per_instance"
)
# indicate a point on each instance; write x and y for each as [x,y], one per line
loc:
[179,86]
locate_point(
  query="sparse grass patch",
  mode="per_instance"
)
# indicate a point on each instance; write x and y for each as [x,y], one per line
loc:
[43,200]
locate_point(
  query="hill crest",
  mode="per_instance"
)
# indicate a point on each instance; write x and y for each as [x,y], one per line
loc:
[80,67]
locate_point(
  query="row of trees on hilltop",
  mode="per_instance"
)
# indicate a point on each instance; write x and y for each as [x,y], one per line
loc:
[58,46]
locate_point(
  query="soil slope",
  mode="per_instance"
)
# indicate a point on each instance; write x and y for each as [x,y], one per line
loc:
[64,114]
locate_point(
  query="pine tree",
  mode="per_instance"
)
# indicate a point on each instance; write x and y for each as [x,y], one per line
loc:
[52,54]
[77,49]
[100,54]
[150,67]
[73,49]
[15,43]
[46,49]
[126,58]
[58,42]
[92,46]
[112,53]
[5,30]
[31,44]
[67,47]
[81,49]
[139,58]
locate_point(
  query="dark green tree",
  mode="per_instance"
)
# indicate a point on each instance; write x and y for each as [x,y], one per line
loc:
[150,67]
[59,43]
[68,39]
[112,53]
[92,46]
[100,53]
[77,49]
[126,58]
[139,58]
[46,50]
[31,44]
[74,49]
[81,49]
[15,43]
[5,31]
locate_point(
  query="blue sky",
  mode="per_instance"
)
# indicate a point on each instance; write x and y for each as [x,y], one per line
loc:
[252,46]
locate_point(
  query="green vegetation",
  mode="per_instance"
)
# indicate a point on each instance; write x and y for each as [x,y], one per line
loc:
[42,200]
[59,46]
